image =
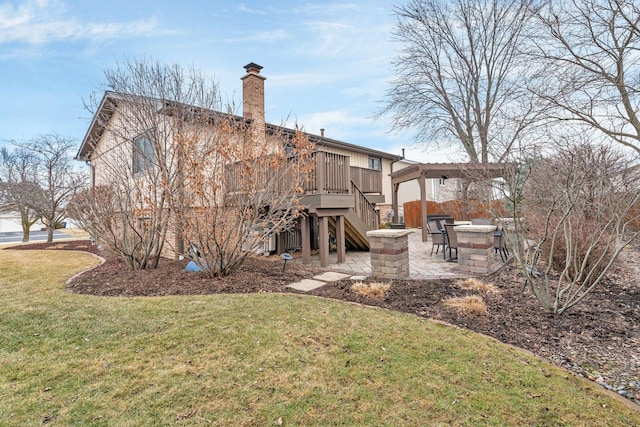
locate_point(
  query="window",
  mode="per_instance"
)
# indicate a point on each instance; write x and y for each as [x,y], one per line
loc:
[289,149]
[442,181]
[375,163]
[143,158]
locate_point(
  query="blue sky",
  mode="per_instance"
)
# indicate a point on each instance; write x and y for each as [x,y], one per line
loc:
[327,63]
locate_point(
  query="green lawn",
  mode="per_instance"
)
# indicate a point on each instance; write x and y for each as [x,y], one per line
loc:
[259,359]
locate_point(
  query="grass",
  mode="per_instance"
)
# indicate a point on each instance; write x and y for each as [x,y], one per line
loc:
[239,360]
[375,290]
[471,304]
[75,232]
[477,285]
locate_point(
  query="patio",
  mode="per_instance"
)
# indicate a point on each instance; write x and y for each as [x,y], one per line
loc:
[421,265]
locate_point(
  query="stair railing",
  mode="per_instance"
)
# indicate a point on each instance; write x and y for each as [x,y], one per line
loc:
[365,209]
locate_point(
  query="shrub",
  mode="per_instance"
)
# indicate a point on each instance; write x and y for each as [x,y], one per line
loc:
[575,217]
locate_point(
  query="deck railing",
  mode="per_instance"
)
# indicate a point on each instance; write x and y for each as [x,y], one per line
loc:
[331,174]
[238,181]
[367,180]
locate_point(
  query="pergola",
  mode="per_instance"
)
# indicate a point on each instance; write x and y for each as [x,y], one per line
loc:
[424,171]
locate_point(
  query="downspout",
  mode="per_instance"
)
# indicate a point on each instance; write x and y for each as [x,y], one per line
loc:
[92,174]
[393,161]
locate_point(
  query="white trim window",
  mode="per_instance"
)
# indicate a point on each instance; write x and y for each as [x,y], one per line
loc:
[143,156]
[375,163]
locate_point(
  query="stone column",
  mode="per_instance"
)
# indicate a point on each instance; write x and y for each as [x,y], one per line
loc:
[475,249]
[389,253]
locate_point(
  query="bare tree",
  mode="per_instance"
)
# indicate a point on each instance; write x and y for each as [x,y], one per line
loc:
[179,172]
[57,178]
[574,212]
[241,188]
[590,65]
[137,162]
[19,186]
[460,75]
[96,210]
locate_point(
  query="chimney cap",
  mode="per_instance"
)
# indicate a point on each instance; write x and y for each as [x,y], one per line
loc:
[252,66]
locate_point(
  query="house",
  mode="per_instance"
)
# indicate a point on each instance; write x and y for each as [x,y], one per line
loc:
[340,201]
[10,222]
[438,189]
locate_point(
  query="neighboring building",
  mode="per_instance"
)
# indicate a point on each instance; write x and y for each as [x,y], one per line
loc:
[10,222]
[437,190]
[349,181]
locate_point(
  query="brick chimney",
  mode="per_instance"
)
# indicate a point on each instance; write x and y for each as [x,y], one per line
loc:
[253,93]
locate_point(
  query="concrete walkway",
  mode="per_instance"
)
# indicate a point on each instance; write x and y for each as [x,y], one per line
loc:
[421,265]
[307,285]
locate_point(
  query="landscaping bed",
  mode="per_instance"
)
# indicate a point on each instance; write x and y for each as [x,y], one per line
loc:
[598,339]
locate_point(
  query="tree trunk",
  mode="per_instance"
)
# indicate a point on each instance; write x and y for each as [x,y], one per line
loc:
[25,230]
[26,226]
[50,233]
[465,199]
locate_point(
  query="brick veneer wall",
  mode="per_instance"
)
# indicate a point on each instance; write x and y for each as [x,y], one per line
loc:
[475,249]
[389,253]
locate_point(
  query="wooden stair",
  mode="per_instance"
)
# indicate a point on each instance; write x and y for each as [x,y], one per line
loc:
[355,232]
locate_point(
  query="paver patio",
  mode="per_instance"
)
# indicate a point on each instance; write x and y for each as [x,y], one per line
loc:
[421,265]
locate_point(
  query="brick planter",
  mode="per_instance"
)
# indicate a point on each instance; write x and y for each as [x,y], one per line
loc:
[389,253]
[475,249]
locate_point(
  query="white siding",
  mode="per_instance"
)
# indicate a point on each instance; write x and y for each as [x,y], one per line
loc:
[10,222]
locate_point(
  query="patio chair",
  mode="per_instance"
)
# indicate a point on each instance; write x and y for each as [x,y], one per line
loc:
[440,219]
[500,244]
[436,237]
[452,240]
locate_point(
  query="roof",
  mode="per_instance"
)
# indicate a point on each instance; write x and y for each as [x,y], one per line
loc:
[110,100]
[334,143]
[91,138]
[450,170]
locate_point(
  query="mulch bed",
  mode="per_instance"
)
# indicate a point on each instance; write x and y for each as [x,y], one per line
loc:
[598,339]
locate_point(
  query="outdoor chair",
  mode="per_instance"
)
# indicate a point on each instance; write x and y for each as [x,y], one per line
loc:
[500,244]
[440,219]
[452,240]
[436,237]
[450,220]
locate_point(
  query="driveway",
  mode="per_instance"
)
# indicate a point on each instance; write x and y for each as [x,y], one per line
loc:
[34,236]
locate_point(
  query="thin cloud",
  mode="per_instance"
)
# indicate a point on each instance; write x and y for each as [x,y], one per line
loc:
[42,22]
[244,8]
[339,124]
[301,79]
[325,8]
[263,37]
[351,35]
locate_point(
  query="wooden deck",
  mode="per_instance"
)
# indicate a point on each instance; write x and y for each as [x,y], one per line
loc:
[336,195]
